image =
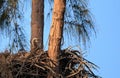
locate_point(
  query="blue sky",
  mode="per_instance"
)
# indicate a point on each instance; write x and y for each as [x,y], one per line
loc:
[104,50]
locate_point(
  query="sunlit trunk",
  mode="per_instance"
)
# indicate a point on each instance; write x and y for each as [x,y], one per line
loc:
[56,32]
[37,24]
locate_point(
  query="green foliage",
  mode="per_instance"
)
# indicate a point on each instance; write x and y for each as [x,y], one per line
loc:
[1,3]
[10,17]
[9,12]
[78,23]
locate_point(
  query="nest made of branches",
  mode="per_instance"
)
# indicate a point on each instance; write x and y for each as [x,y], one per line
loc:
[36,65]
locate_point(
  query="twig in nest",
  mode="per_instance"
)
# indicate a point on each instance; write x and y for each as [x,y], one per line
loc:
[39,67]
[49,68]
[31,54]
[73,74]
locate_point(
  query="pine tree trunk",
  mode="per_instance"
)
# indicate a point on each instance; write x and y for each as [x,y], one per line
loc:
[56,32]
[37,24]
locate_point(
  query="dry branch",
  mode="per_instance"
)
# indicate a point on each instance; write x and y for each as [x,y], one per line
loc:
[26,65]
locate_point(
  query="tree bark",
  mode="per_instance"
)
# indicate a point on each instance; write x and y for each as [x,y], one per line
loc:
[56,32]
[37,24]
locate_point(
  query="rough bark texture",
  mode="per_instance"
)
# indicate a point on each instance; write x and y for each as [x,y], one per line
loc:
[56,32]
[37,24]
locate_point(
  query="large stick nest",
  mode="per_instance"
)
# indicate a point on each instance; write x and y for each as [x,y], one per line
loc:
[36,65]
